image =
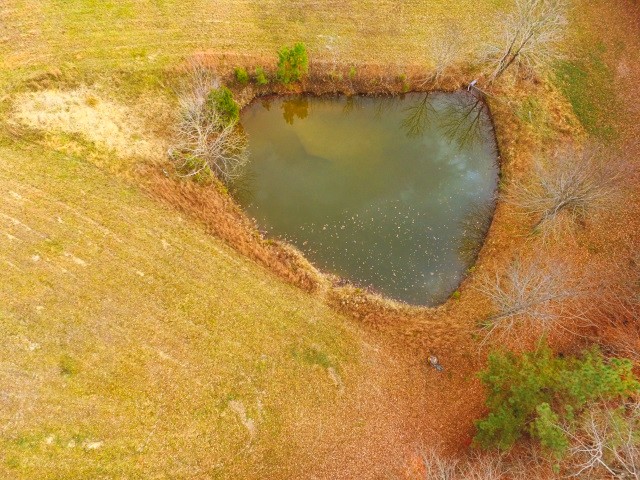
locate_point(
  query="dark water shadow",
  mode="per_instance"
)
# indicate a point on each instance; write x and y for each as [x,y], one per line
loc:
[418,116]
[243,187]
[465,121]
[475,226]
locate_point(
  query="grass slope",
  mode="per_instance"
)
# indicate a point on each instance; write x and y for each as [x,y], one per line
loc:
[587,82]
[132,342]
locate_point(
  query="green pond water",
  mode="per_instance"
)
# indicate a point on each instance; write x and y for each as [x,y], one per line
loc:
[393,194]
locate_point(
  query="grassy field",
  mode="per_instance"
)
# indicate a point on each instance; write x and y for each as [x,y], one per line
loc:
[126,328]
[133,344]
[145,34]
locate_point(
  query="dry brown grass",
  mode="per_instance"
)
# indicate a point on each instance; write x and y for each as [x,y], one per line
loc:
[110,125]
[134,344]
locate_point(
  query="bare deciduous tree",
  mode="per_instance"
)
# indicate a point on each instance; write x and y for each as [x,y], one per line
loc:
[445,50]
[572,185]
[205,141]
[618,310]
[483,467]
[530,36]
[475,467]
[622,331]
[607,442]
[437,467]
[530,297]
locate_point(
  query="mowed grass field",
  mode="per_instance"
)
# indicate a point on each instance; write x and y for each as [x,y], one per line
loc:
[133,345]
[141,34]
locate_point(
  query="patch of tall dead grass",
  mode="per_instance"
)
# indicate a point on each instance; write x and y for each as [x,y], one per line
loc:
[83,111]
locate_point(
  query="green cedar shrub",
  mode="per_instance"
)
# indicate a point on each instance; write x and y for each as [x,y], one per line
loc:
[242,77]
[546,427]
[261,77]
[534,393]
[221,100]
[293,63]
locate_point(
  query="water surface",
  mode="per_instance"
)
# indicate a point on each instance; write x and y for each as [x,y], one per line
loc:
[391,193]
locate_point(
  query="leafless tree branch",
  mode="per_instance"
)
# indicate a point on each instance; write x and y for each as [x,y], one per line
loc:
[530,36]
[205,141]
[530,296]
[437,467]
[607,442]
[618,308]
[476,467]
[445,51]
[572,185]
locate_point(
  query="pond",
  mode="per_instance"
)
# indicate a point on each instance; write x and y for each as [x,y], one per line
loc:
[391,193]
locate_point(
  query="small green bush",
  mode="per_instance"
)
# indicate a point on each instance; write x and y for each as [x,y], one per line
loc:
[242,77]
[196,168]
[293,63]
[402,78]
[534,394]
[68,366]
[336,76]
[221,100]
[546,427]
[352,73]
[261,77]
